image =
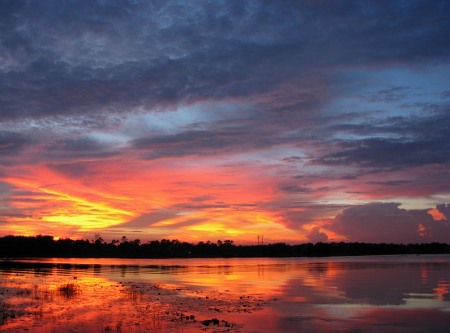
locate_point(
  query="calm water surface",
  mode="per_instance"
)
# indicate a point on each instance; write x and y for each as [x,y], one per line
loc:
[341,294]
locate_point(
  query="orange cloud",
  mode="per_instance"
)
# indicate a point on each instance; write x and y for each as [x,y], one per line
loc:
[211,202]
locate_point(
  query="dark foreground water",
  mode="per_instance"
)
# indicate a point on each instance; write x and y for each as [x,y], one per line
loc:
[351,294]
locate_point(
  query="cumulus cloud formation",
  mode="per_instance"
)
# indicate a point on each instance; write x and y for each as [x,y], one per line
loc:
[386,222]
[315,235]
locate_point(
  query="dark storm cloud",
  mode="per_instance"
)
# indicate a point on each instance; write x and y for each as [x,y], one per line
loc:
[400,143]
[391,182]
[82,144]
[202,142]
[292,159]
[60,60]
[78,148]
[295,189]
[11,144]
[389,95]
[81,58]
[185,143]
[386,222]
[390,153]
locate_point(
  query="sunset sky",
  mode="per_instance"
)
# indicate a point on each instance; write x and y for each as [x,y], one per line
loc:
[205,120]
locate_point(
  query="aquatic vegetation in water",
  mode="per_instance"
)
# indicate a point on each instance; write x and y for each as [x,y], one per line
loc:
[69,290]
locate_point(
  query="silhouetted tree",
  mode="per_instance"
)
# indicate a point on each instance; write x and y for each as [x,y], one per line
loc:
[46,246]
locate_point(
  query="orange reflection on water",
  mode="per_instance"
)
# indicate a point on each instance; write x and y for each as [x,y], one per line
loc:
[83,300]
[45,302]
[244,295]
[442,290]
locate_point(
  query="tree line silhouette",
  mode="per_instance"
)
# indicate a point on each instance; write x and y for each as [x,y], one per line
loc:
[47,246]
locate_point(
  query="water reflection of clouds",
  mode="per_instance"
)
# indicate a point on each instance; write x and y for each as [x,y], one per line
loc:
[366,297]
[373,284]
[312,295]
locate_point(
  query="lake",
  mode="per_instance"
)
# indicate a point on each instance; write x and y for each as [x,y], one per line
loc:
[339,294]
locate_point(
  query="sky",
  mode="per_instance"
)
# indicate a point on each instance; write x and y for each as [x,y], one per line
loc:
[296,121]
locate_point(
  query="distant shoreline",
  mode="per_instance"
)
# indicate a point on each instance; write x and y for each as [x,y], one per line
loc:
[16,247]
